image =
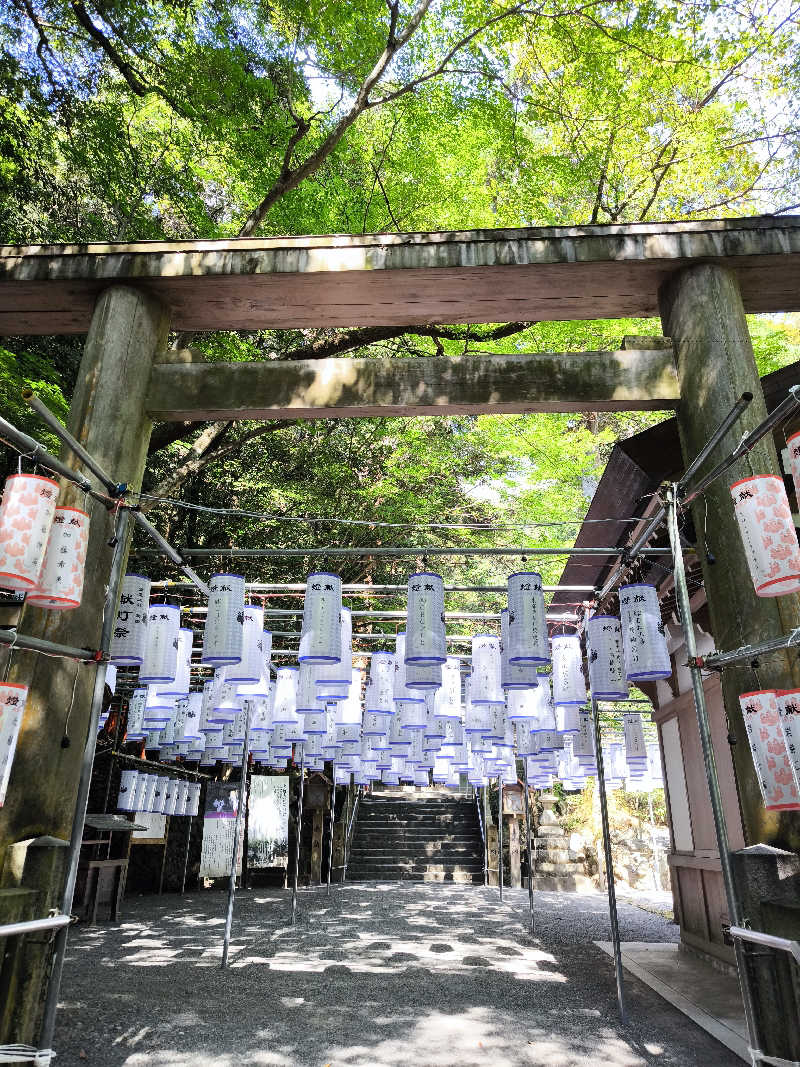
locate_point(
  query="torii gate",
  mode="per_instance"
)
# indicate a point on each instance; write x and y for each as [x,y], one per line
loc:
[701,277]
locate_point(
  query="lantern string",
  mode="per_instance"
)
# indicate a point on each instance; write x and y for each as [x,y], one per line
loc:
[71,702]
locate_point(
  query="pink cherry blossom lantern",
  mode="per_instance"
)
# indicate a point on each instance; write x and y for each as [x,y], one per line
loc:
[768,534]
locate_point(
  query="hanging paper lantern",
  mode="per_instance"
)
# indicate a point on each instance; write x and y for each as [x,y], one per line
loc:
[333,679]
[146,801]
[604,655]
[261,715]
[193,799]
[307,699]
[285,710]
[158,709]
[129,636]
[13,698]
[179,687]
[321,635]
[422,677]
[485,687]
[160,662]
[567,718]
[136,709]
[527,619]
[227,702]
[513,675]
[789,711]
[60,585]
[139,792]
[633,730]
[447,698]
[182,798]
[425,631]
[126,798]
[654,768]
[250,668]
[545,712]
[768,534]
[187,718]
[774,768]
[413,715]
[380,686]
[223,636]
[644,639]
[26,515]
[522,706]
[583,746]
[569,686]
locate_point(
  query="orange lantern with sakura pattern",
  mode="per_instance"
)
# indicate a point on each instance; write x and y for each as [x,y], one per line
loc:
[26,515]
[61,583]
[768,534]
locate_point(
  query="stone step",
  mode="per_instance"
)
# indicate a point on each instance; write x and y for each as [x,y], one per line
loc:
[570,868]
[454,877]
[556,855]
[572,883]
[394,870]
[549,831]
[387,855]
[367,833]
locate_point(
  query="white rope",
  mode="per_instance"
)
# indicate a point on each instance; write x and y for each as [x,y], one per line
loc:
[26,1054]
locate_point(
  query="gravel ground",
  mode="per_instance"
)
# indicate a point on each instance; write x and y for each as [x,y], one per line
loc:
[379,974]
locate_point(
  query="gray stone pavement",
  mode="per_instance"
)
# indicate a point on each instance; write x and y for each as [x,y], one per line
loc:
[379,974]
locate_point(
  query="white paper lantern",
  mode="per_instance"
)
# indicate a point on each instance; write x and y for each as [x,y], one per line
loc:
[151,780]
[583,746]
[644,641]
[139,792]
[567,718]
[380,686]
[193,799]
[321,634]
[126,798]
[333,679]
[447,699]
[26,515]
[285,709]
[527,619]
[261,715]
[789,711]
[179,687]
[159,709]
[182,798]
[187,718]
[13,698]
[223,636]
[768,534]
[633,730]
[250,668]
[522,706]
[422,677]
[513,675]
[774,768]
[160,662]
[136,709]
[569,686]
[413,715]
[604,656]
[129,636]
[227,702]
[307,698]
[486,687]
[425,630]
[348,712]
[60,585]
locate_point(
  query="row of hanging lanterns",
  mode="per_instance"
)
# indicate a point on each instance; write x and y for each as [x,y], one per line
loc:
[159,794]
[772,724]
[42,544]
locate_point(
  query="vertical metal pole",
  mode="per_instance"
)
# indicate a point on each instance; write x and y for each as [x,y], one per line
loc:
[656,850]
[500,835]
[486,860]
[718,811]
[333,820]
[226,944]
[612,893]
[531,861]
[299,835]
[164,856]
[186,857]
[73,856]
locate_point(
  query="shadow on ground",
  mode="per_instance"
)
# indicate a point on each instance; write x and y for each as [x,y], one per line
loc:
[377,974]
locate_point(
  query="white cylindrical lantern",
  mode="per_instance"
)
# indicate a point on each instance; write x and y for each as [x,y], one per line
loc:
[522,706]
[140,793]
[179,687]
[604,655]
[380,687]
[413,715]
[486,687]
[307,698]
[151,781]
[60,585]
[527,619]
[193,800]
[227,703]
[285,709]
[158,709]
[569,686]
[774,769]
[333,680]
[644,641]
[567,719]
[422,677]
[129,636]
[321,634]
[789,711]
[191,712]
[126,798]
[425,630]
[768,534]
[26,515]
[223,636]
[250,668]
[513,675]
[12,706]
[136,708]
[635,747]
[447,699]
[160,662]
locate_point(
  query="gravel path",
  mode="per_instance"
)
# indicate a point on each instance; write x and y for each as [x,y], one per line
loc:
[379,974]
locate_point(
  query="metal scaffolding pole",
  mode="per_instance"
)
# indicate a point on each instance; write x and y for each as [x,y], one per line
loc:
[531,861]
[226,942]
[717,808]
[36,453]
[84,782]
[167,549]
[363,587]
[500,835]
[395,552]
[299,834]
[332,821]
[37,644]
[610,887]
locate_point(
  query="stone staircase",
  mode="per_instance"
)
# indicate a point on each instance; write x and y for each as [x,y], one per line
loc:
[428,836]
[558,868]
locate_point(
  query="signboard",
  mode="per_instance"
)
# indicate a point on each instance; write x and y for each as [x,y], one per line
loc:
[219,825]
[268,821]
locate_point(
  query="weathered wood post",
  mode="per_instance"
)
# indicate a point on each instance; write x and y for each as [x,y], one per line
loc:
[701,310]
[107,416]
